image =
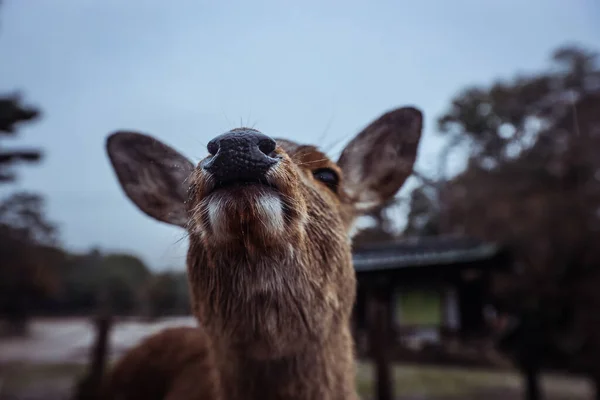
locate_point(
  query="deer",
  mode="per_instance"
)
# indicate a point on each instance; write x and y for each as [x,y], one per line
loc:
[269,261]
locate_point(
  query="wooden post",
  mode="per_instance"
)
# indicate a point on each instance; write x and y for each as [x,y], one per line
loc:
[449,309]
[380,341]
[527,342]
[100,351]
[89,387]
[532,384]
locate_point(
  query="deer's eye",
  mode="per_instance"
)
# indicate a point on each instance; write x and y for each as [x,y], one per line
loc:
[328,177]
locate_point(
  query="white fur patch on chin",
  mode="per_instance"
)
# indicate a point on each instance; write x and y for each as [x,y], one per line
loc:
[217,216]
[268,209]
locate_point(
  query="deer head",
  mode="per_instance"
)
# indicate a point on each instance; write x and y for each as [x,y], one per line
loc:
[269,259]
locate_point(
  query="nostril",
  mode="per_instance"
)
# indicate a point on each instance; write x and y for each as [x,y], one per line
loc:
[267,145]
[240,155]
[213,147]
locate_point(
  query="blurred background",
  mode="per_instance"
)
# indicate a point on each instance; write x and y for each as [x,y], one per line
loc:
[493,288]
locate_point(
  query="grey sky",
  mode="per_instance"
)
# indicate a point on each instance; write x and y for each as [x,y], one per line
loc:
[303,70]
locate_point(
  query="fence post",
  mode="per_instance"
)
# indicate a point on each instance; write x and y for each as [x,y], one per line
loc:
[89,387]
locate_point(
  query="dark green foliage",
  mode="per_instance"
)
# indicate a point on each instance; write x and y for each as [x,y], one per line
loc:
[121,282]
[166,293]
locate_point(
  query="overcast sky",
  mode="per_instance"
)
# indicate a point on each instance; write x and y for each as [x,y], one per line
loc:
[312,71]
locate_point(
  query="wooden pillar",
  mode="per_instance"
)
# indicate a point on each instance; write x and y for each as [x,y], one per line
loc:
[471,297]
[449,309]
[530,347]
[380,343]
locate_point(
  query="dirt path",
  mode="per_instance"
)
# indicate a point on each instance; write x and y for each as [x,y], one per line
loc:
[69,340]
[44,366]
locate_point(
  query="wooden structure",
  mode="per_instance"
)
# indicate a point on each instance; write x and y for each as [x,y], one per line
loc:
[458,269]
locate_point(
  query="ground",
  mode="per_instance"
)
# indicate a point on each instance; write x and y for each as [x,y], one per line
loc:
[435,383]
[45,365]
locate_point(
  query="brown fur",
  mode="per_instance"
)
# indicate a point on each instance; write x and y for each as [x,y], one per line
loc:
[271,282]
[160,367]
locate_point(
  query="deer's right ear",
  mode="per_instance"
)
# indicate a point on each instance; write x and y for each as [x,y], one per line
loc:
[153,175]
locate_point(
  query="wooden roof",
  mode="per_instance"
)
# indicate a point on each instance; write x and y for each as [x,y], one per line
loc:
[425,251]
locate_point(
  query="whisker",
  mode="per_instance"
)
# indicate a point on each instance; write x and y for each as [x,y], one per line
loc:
[229,124]
[313,161]
[328,148]
[299,155]
[327,127]
[183,237]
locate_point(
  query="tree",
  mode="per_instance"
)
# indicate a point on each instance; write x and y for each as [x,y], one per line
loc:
[424,210]
[12,113]
[23,213]
[531,184]
[27,258]
[499,121]
[25,234]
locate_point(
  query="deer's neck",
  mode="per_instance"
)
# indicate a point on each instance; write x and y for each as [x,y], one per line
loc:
[318,367]
[321,371]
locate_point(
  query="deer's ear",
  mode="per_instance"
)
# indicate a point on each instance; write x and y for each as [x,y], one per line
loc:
[377,162]
[153,175]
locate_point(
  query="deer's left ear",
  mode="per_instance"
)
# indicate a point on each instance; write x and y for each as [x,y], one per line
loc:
[377,162]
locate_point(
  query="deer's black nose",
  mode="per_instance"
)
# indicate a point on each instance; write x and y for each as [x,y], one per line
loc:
[240,155]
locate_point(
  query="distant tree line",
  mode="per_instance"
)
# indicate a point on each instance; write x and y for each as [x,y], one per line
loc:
[38,277]
[119,282]
[42,280]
